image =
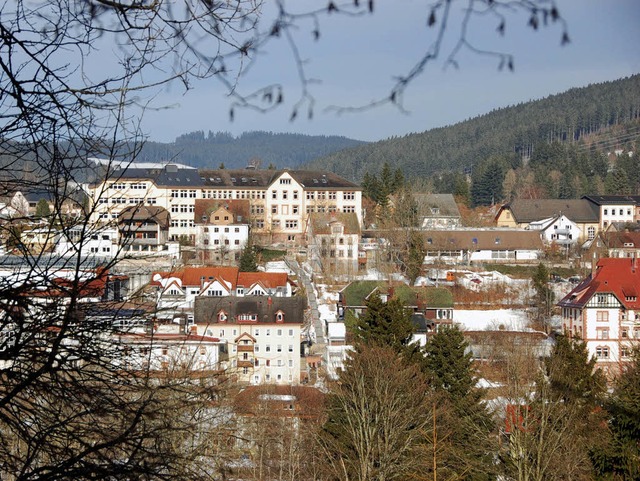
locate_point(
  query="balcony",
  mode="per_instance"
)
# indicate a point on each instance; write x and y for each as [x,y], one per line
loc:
[245,348]
[245,363]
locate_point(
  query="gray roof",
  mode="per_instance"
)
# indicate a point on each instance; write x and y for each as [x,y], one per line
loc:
[444,203]
[613,199]
[206,308]
[250,178]
[153,213]
[490,239]
[531,210]
[168,176]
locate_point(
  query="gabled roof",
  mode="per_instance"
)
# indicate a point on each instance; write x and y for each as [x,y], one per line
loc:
[444,203]
[476,239]
[154,213]
[618,276]
[621,239]
[269,280]
[239,208]
[321,222]
[530,210]
[193,276]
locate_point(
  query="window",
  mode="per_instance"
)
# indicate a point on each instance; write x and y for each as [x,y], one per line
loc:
[290,347]
[606,212]
[625,352]
[295,209]
[285,181]
[295,195]
[268,332]
[602,316]
[349,195]
[279,332]
[591,233]
[274,209]
[602,352]
[310,195]
[291,224]
[274,194]
[332,195]
[290,332]
[285,195]
[268,348]
[602,333]
[279,348]
[290,362]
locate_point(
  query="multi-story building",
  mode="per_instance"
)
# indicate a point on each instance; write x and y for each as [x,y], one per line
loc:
[262,335]
[222,229]
[614,208]
[172,187]
[280,200]
[604,311]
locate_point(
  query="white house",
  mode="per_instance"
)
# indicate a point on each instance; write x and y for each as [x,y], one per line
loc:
[558,230]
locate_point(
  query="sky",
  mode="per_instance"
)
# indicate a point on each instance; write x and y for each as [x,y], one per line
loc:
[356,60]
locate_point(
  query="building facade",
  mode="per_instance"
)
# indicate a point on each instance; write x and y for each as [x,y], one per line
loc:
[603,310]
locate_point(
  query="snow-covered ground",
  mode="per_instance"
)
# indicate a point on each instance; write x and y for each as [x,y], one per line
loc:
[481,320]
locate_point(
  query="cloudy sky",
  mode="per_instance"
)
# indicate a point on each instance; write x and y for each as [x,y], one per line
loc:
[356,60]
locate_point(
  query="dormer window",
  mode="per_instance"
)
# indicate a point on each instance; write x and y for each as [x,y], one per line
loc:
[279,316]
[222,316]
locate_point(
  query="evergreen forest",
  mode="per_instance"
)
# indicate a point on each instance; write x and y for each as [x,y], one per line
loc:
[559,147]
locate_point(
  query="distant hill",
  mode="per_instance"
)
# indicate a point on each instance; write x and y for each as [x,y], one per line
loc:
[198,149]
[514,131]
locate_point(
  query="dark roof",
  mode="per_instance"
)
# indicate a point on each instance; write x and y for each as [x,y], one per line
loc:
[250,178]
[321,222]
[490,239]
[318,179]
[421,323]
[612,199]
[154,213]
[445,203]
[206,308]
[168,176]
[531,210]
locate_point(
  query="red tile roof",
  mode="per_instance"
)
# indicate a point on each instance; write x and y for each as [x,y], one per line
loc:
[192,276]
[620,276]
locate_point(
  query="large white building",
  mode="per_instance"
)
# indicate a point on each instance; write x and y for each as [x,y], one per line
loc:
[262,335]
[604,311]
[280,200]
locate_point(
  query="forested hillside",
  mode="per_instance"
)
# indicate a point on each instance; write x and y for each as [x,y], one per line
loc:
[512,134]
[214,148]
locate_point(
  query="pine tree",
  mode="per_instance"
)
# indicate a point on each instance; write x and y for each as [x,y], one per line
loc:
[386,324]
[42,209]
[248,259]
[448,367]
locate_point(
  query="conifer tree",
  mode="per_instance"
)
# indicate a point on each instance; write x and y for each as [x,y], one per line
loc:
[386,324]
[448,366]
[621,458]
[248,259]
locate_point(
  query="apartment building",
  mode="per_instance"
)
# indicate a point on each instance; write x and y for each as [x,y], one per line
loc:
[604,311]
[280,200]
[262,335]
